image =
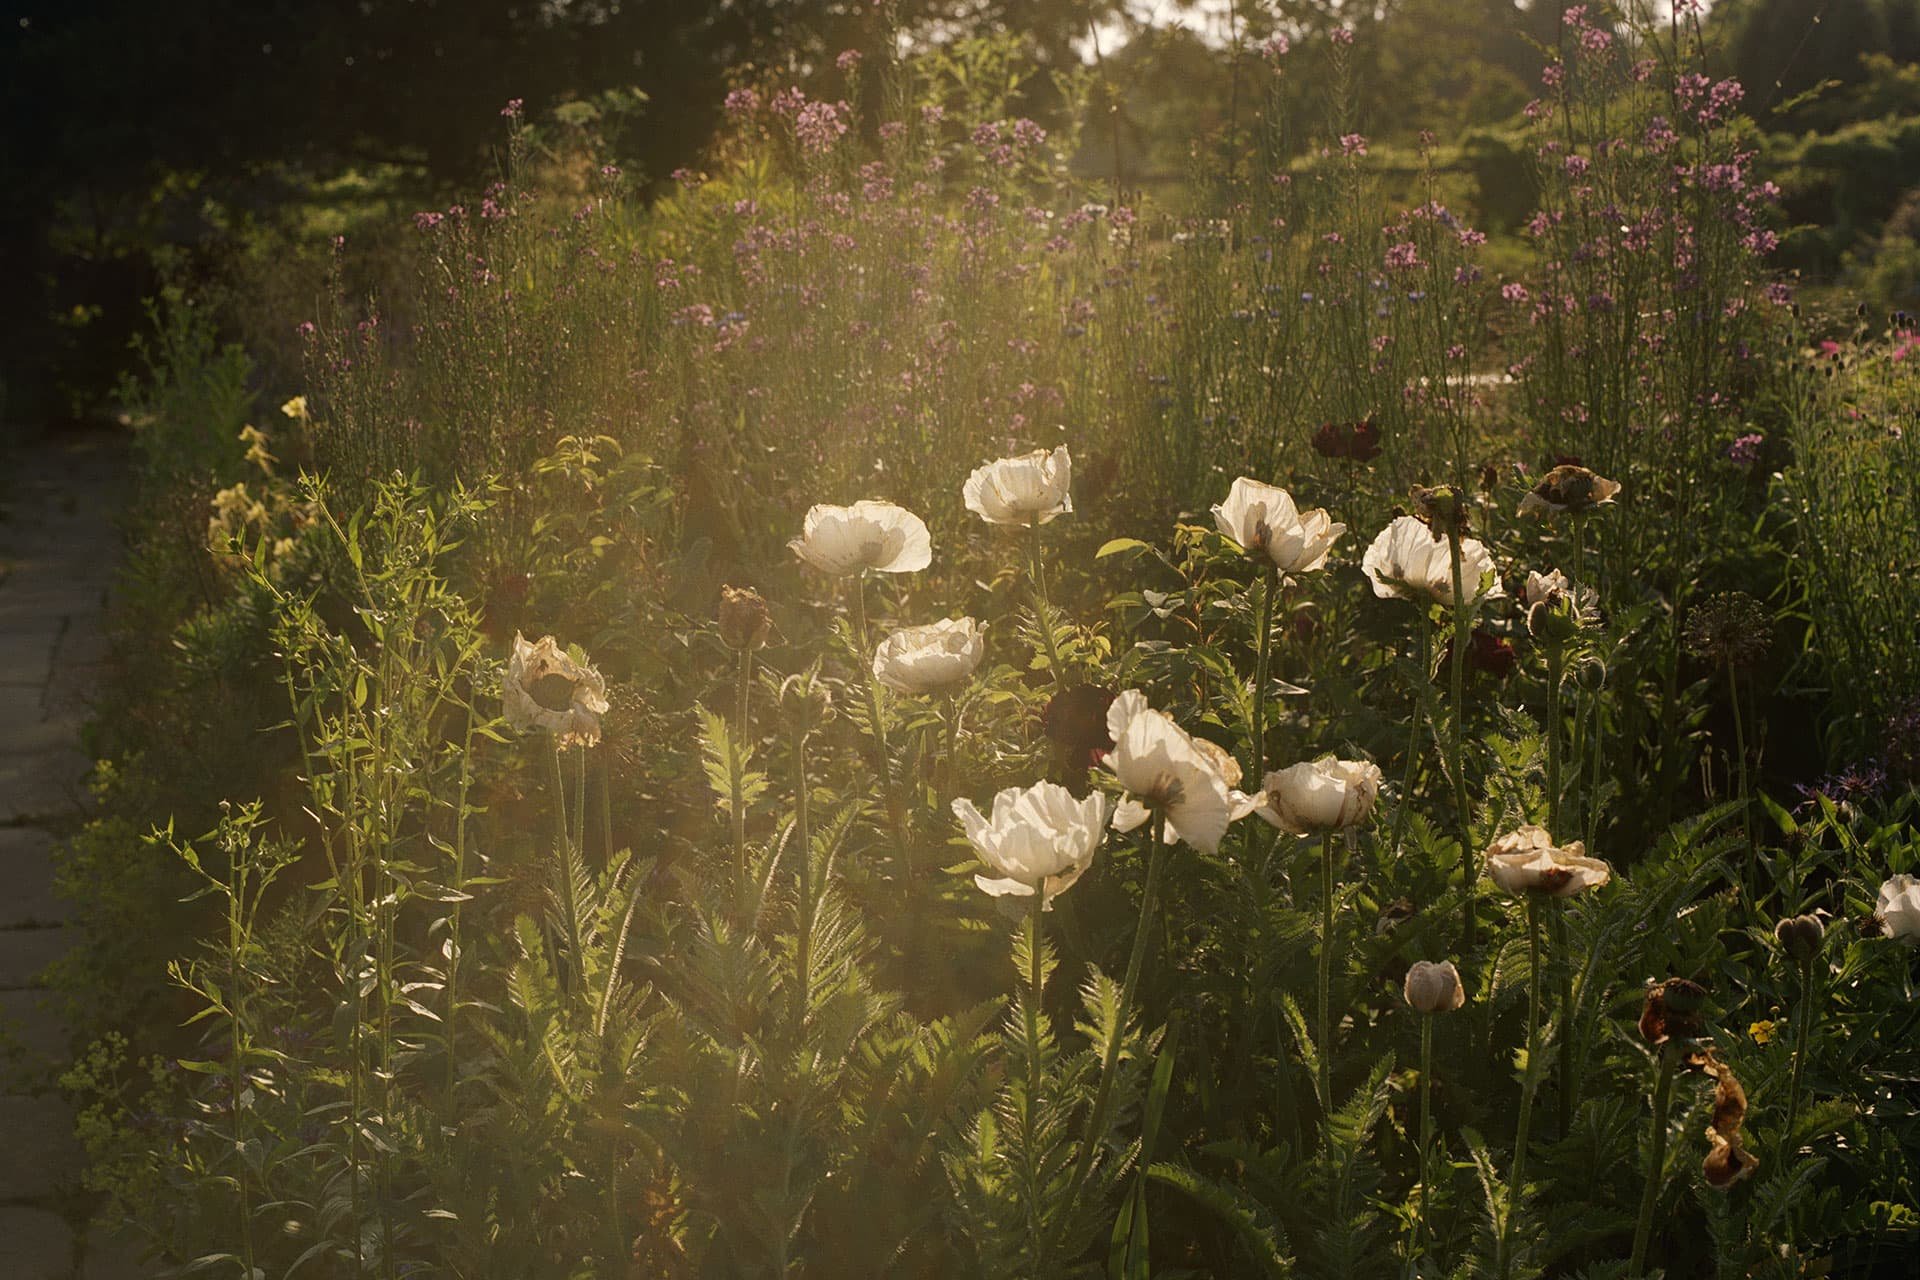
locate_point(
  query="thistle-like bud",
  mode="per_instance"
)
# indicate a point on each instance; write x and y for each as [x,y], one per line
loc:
[805,701]
[1434,988]
[743,619]
[1800,937]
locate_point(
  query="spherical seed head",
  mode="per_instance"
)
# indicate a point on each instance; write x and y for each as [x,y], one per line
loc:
[1730,629]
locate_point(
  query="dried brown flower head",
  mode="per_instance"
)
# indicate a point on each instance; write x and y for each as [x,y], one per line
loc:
[1672,1011]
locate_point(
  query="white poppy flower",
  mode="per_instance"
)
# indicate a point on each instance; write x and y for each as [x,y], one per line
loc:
[1039,839]
[1543,587]
[867,535]
[1262,520]
[1126,704]
[1411,562]
[1162,769]
[930,659]
[1029,489]
[1527,861]
[1899,908]
[1321,795]
[546,690]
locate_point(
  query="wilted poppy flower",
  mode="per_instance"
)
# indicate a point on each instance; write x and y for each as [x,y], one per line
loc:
[1728,1161]
[867,535]
[1898,908]
[1262,521]
[1321,795]
[743,618]
[1544,588]
[1408,561]
[1434,988]
[1672,1011]
[1039,839]
[1029,489]
[931,659]
[547,690]
[1165,771]
[1527,861]
[1355,441]
[1568,488]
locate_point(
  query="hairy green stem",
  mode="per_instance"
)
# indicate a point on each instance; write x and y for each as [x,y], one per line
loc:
[1042,609]
[1562,964]
[1462,634]
[1556,660]
[737,770]
[1529,1083]
[1413,739]
[1656,1157]
[803,833]
[1426,1134]
[1323,1020]
[1269,589]
[563,834]
[1802,1033]
[1103,1092]
[896,816]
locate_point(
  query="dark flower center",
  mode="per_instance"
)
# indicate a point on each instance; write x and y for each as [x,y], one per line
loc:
[552,691]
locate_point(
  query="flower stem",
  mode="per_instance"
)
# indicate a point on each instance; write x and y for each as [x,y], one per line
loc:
[1656,1157]
[1555,671]
[1802,1033]
[803,931]
[737,767]
[1032,1011]
[563,834]
[1529,1083]
[1269,588]
[1740,761]
[1323,1025]
[1562,964]
[1103,1093]
[1042,610]
[1426,1133]
[947,764]
[1413,739]
[896,817]
[1462,628]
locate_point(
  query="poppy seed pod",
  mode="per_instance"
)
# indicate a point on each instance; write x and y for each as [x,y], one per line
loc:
[743,619]
[1443,508]
[1800,937]
[1434,988]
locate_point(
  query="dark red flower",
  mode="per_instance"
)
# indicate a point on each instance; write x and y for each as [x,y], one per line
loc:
[1075,722]
[1357,441]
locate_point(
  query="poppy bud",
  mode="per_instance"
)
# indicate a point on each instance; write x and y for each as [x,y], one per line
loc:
[804,700]
[743,619]
[1800,937]
[1434,988]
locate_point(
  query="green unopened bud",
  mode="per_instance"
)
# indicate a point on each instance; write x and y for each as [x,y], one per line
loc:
[1434,988]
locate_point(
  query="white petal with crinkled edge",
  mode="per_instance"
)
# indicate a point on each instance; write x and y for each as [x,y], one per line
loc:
[1031,488]
[880,536]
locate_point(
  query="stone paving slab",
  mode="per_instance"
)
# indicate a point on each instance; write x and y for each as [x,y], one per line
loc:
[32,1028]
[26,879]
[112,1254]
[24,953]
[43,786]
[41,1158]
[35,1244]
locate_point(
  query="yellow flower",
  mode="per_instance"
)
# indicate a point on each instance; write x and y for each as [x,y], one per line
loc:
[296,409]
[1762,1032]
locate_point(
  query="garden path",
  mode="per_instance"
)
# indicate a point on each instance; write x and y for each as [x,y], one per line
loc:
[59,546]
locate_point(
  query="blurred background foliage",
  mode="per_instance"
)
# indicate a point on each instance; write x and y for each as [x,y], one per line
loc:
[147,142]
